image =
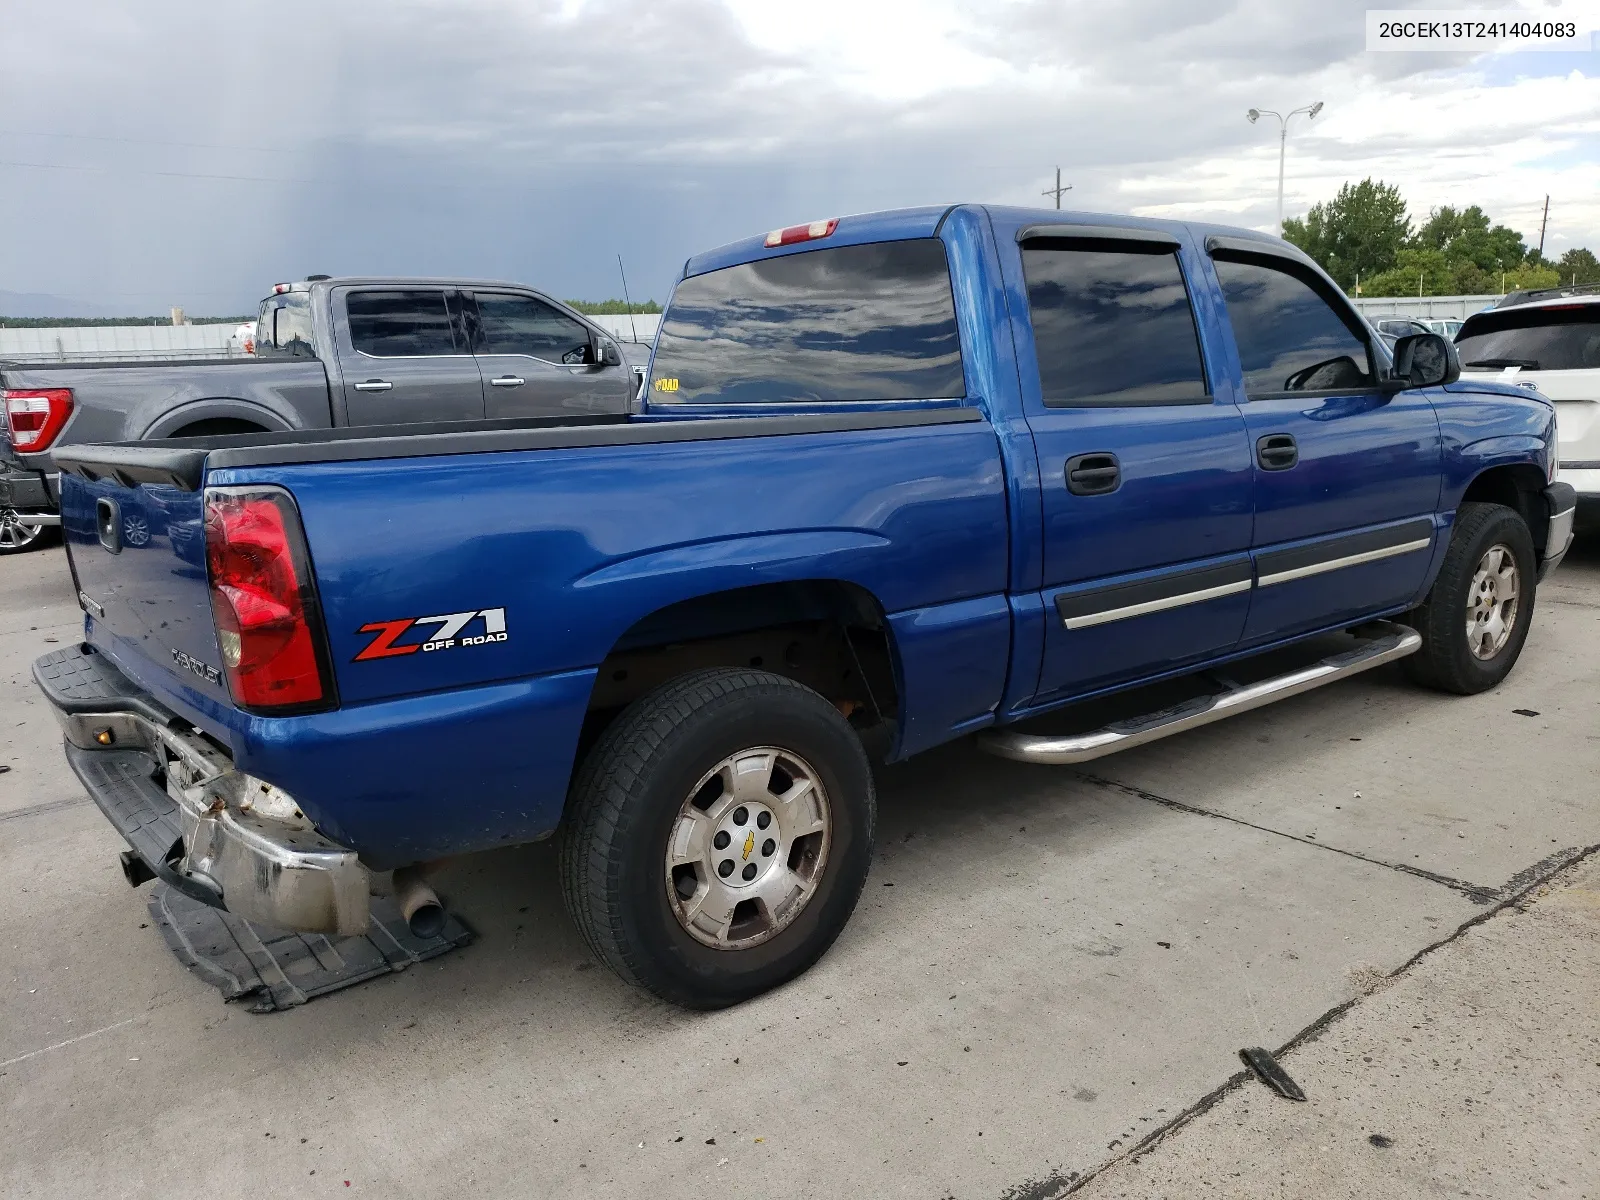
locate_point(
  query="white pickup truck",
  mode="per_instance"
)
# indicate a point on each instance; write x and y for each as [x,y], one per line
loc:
[1549,341]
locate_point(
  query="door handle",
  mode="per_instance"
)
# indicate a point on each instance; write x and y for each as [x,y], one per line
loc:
[374,385]
[1277,452]
[1094,474]
[508,381]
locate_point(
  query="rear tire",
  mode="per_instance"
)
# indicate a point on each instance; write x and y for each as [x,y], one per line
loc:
[662,893]
[1476,617]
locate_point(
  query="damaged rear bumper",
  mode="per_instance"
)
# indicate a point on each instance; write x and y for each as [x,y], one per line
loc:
[207,829]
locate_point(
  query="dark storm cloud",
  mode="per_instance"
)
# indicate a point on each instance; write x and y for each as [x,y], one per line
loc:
[535,141]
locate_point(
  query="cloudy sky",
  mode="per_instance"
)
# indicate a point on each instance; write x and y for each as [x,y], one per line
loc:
[193,153]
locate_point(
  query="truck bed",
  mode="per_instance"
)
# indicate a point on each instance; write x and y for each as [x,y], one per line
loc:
[572,532]
[114,401]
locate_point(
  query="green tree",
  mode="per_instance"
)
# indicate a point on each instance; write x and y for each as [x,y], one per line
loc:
[1418,271]
[1468,237]
[1578,266]
[1360,232]
[88,322]
[1469,279]
[612,308]
[1528,276]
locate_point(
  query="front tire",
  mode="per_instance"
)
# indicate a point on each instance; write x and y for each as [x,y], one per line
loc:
[718,836]
[1476,617]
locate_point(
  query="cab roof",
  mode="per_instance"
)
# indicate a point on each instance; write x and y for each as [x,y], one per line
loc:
[902,223]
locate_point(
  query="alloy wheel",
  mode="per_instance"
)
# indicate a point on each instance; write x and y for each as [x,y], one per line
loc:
[1492,602]
[748,848]
[16,533]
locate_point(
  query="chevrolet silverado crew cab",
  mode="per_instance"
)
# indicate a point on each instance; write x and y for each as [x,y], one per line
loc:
[898,479]
[327,352]
[1549,341]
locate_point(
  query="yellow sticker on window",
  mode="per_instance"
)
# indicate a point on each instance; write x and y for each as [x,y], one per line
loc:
[666,385]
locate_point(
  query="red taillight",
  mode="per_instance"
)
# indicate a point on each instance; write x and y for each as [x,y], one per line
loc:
[802,233]
[36,416]
[262,600]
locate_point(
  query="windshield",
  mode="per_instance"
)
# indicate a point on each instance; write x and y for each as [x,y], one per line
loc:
[1536,339]
[852,323]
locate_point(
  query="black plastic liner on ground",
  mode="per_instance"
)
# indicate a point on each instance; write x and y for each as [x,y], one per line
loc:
[270,970]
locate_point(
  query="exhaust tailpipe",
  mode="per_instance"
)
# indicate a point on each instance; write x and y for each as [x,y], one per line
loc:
[419,903]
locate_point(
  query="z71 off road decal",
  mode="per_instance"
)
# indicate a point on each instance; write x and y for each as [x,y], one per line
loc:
[451,633]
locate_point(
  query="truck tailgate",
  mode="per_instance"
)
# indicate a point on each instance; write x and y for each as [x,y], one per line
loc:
[138,554]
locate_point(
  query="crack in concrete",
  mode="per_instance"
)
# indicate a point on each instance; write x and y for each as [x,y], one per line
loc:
[1477,893]
[1517,889]
[1565,602]
[49,806]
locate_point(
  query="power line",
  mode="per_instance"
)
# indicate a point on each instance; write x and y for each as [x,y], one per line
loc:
[413,182]
[164,174]
[420,181]
[100,137]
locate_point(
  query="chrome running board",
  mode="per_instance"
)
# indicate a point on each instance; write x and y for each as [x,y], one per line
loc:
[1389,642]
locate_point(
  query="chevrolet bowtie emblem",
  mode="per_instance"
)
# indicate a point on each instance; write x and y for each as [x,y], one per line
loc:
[749,844]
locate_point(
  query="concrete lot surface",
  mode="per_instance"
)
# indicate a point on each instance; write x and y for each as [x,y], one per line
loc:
[1473,1073]
[1047,967]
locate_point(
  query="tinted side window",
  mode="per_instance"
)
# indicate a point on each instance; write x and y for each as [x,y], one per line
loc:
[523,325]
[283,329]
[1112,325]
[872,322]
[1290,339]
[395,324]
[1548,339]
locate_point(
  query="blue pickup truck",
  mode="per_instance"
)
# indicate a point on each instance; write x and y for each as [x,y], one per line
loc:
[894,479]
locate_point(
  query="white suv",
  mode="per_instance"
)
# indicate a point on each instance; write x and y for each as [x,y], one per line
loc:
[1548,340]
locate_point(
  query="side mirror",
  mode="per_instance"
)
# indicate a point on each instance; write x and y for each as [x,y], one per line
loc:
[605,353]
[1424,360]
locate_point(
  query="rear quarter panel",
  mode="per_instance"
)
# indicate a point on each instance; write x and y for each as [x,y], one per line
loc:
[461,748]
[118,402]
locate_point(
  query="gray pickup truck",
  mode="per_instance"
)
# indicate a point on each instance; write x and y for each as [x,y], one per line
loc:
[329,352]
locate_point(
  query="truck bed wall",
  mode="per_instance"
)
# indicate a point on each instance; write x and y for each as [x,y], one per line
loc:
[576,546]
[120,401]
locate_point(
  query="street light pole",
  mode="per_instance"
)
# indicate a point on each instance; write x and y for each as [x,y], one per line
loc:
[1255,114]
[1283,151]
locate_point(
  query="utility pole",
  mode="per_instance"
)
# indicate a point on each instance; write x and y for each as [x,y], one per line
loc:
[1057,190]
[627,302]
[1255,114]
[1542,222]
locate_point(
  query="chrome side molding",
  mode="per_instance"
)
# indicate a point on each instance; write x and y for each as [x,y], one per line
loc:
[1390,642]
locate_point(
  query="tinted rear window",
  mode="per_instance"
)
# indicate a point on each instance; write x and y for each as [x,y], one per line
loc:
[397,324]
[1112,325]
[873,322]
[1548,339]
